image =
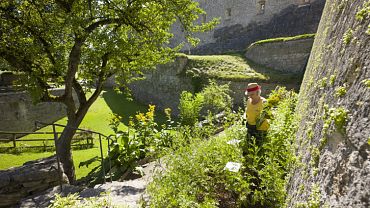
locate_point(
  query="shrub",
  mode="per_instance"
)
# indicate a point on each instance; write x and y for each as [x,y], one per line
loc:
[72,200]
[216,98]
[190,106]
[195,175]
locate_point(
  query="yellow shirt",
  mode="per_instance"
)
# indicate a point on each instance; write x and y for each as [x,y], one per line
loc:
[253,111]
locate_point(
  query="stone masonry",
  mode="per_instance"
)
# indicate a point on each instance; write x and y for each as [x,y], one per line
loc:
[164,85]
[18,113]
[333,139]
[31,178]
[287,56]
[243,22]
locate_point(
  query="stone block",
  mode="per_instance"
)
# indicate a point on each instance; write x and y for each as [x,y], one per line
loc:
[4,179]
[6,200]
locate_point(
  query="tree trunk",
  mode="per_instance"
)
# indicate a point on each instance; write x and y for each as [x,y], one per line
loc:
[64,151]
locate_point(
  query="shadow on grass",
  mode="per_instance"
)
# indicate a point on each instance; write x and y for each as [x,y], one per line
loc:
[119,104]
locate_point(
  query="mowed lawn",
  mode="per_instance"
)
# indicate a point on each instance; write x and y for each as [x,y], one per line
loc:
[97,119]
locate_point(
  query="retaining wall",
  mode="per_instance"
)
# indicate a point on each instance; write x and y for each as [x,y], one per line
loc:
[287,56]
[31,178]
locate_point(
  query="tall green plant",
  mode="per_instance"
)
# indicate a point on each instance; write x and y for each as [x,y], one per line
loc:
[195,175]
[190,106]
[268,166]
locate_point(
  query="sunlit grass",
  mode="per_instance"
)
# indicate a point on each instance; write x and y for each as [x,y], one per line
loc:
[97,119]
[234,67]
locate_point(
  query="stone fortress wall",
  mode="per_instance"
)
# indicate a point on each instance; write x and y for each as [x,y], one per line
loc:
[243,22]
[164,85]
[18,113]
[286,56]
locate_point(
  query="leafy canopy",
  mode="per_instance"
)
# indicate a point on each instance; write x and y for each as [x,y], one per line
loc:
[59,40]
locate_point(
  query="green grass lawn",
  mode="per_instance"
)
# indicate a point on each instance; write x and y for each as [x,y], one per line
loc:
[235,67]
[97,119]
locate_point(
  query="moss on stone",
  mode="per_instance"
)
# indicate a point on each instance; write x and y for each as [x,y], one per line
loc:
[348,36]
[366,82]
[282,39]
[364,12]
[234,67]
[340,91]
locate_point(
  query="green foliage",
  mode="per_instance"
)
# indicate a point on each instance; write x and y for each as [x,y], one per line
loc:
[232,67]
[190,106]
[323,82]
[314,199]
[366,82]
[336,115]
[340,91]
[315,157]
[195,175]
[224,67]
[213,99]
[348,36]
[332,79]
[364,12]
[282,39]
[63,42]
[277,157]
[216,98]
[72,200]
[273,100]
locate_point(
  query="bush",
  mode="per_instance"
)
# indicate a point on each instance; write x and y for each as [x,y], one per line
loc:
[72,200]
[212,99]
[190,106]
[195,175]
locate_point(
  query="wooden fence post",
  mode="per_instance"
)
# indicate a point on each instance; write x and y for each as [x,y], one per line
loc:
[14,141]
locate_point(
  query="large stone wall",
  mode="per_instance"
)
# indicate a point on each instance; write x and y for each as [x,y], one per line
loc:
[334,107]
[164,85]
[242,23]
[19,113]
[31,178]
[287,56]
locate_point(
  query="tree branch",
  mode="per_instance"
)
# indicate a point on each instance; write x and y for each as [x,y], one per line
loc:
[46,45]
[79,91]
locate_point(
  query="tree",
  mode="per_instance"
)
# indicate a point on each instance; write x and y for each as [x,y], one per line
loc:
[65,41]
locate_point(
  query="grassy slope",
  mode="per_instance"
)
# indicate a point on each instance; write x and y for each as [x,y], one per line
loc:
[235,67]
[96,119]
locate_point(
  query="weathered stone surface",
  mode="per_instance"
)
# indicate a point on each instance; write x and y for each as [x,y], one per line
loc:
[4,180]
[164,85]
[33,177]
[6,200]
[286,56]
[19,113]
[335,92]
[246,24]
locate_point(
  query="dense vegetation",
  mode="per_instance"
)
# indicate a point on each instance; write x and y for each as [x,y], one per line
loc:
[195,161]
[76,43]
[195,175]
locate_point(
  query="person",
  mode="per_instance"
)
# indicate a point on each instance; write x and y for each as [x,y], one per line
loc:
[256,128]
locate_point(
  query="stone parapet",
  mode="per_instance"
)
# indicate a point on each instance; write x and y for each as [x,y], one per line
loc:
[31,178]
[286,56]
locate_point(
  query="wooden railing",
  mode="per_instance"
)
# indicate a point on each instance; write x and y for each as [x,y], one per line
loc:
[55,134]
[19,137]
